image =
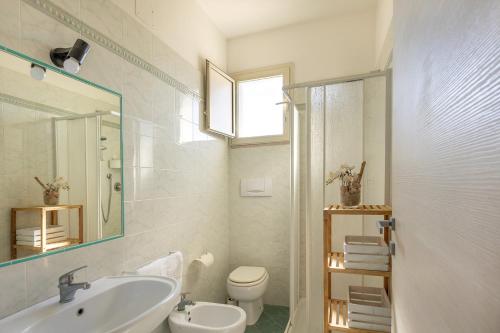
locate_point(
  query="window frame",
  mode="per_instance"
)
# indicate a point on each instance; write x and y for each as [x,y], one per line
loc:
[286,71]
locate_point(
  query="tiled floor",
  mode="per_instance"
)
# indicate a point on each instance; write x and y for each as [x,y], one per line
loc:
[272,320]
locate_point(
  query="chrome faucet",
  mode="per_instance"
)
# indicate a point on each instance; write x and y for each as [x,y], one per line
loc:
[67,288]
[184,301]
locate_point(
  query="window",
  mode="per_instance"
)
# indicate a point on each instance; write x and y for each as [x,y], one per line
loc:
[261,113]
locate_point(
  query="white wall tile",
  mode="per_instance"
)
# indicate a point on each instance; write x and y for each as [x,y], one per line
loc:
[40,33]
[71,6]
[103,16]
[10,29]
[175,178]
[13,282]
[137,38]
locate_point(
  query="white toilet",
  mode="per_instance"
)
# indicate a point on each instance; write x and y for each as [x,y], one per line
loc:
[247,285]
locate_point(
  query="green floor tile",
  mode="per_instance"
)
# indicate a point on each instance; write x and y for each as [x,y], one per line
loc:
[273,319]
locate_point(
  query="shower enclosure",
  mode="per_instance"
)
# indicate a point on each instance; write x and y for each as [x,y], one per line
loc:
[87,154]
[344,120]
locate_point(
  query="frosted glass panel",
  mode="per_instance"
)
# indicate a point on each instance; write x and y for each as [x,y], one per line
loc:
[220,102]
[221,96]
[355,117]
[258,114]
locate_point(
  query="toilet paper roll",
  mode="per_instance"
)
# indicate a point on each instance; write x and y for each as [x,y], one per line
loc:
[206,259]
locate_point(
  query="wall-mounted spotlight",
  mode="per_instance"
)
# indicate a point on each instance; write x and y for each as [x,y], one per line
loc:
[37,72]
[70,58]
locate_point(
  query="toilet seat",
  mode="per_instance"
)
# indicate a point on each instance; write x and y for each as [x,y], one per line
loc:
[246,276]
[248,284]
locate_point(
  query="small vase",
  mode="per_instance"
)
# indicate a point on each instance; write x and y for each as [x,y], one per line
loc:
[350,196]
[51,198]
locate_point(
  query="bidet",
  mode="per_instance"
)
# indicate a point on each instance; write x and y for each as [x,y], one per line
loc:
[206,317]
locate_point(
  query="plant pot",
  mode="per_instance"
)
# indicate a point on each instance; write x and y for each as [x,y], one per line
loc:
[51,198]
[350,196]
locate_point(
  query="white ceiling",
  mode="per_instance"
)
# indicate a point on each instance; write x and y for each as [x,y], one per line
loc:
[240,17]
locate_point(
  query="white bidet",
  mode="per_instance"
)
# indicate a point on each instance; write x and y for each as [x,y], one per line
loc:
[208,318]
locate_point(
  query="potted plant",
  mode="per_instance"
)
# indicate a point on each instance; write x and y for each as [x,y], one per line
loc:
[350,184]
[51,190]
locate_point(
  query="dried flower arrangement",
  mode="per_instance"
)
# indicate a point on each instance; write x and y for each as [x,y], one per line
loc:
[51,190]
[350,187]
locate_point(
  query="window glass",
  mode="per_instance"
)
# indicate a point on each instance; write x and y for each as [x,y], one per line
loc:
[258,114]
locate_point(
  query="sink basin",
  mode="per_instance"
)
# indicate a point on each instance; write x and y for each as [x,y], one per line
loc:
[112,304]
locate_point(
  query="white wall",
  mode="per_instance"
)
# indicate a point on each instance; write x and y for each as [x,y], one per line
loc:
[166,158]
[383,32]
[260,226]
[446,180]
[319,50]
[182,25]
[322,49]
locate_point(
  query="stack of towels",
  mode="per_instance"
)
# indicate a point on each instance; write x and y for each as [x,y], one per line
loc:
[33,236]
[168,266]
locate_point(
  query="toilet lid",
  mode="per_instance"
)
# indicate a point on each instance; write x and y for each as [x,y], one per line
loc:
[247,274]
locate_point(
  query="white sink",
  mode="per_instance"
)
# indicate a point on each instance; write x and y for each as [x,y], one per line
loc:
[113,304]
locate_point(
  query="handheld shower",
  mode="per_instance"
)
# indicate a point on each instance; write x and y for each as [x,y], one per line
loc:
[105,216]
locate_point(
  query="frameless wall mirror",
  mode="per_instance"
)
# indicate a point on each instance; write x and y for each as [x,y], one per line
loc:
[60,160]
[220,102]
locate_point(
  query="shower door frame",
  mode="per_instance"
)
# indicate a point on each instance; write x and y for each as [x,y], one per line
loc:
[90,231]
[314,231]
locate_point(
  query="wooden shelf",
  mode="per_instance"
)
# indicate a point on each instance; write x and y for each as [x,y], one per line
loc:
[336,265]
[43,211]
[47,208]
[50,246]
[359,210]
[335,311]
[337,318]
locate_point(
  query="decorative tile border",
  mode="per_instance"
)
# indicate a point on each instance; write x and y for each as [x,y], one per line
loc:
[24,103]
[59,14]
[33,105]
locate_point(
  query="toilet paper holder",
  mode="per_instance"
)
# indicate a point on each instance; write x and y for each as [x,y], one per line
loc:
[206,259]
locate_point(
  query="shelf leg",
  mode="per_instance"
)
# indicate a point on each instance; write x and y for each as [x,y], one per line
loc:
[13,249]
[43,230]
[80,224]
[327,240]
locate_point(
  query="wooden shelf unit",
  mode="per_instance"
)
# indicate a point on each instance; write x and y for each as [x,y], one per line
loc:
[43,211]
[335,311]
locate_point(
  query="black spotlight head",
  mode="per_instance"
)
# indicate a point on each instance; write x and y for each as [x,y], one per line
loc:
[70,58]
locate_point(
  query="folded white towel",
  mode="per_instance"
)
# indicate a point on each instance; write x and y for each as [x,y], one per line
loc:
[169,266]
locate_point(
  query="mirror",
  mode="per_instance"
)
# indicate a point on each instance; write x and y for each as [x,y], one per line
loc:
[61,160]
[220,102]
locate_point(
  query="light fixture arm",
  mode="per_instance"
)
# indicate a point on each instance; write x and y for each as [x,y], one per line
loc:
[59,55]
[72,57]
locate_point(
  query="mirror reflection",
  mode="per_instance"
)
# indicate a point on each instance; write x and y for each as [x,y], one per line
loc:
[60,153]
